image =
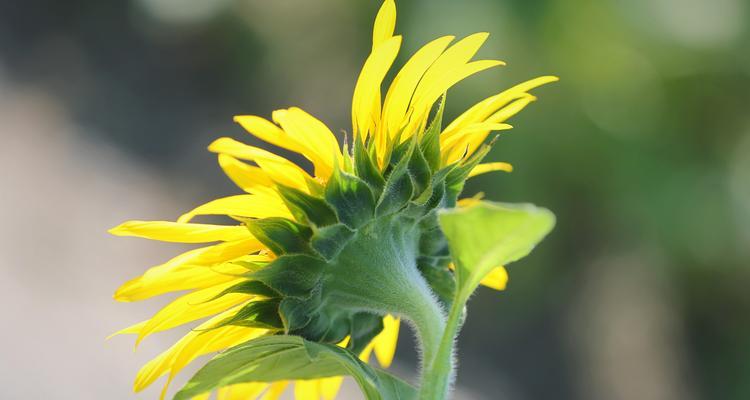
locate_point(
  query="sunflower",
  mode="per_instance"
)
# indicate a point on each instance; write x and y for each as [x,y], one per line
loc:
[330,255]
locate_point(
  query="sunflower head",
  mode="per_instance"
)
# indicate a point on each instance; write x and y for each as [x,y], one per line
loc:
[339,254]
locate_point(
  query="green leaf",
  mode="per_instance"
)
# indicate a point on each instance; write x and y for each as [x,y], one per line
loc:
[486,235]
[274,358]
[307,209]
[281,235]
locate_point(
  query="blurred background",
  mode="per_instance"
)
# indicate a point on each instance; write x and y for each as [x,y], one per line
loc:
[642,150]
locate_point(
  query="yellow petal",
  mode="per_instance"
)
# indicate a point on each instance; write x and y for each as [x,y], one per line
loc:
[400,92]
[180,233]
[490,167]
[267,131]
[453,59]
[279,169]
[385,23]
[511,109]
[366,98]
[275,390]
[307,389]
[131,330]
[329,387]
[189,270]
[241,205]
[484,109]
[242,391]
[425,99]
[315,140]
[249,178]
[191,307]
[497,279]
[475,139]
[467,140]
[186,347]
[213,343]
[365,354]
[385,342]
[467,202]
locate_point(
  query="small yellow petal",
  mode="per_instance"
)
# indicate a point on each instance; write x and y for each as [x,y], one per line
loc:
[179,232]
[497,279]
[467,202]
[385,23]
[242,205]
[490,167]
[385,342]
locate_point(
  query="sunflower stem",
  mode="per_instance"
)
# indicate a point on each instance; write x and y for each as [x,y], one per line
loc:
[438,372]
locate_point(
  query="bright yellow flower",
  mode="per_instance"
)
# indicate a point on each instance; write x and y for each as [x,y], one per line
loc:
[213,276]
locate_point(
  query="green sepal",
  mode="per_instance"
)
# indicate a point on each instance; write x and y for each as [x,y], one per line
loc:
[441,280]
[248,287]
[366,168]
[284,357]
[420,172]
[330,240]
[280,235]
[398,189]
[351,199]
[293,275]
[307,209]
[251,266]
[363,328]
[456,179]
[295,315]
[262,314]
[430,142]
[315,188]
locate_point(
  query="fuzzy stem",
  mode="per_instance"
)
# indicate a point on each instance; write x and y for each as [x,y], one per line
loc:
[439,372]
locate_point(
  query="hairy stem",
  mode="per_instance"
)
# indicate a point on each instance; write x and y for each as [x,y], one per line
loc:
[438,372]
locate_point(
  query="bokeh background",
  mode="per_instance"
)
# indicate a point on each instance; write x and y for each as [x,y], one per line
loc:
[642,150]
